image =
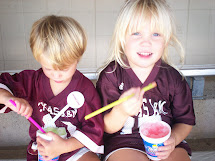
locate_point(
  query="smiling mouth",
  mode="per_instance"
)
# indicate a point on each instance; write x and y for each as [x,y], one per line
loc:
[145,54]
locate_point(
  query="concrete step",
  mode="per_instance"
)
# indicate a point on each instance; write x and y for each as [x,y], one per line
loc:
[206,144]
[203,150]
[203,156]
[12,153]
[197,156]
[13,159]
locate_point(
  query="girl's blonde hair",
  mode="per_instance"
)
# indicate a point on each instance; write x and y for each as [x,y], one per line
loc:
[135,12]
[60,39]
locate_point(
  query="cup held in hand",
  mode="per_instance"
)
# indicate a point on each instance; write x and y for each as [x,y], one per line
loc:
[61,131]
[154,134]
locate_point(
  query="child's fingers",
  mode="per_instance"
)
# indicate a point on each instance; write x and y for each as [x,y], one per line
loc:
[139,92]
[44,156]
[47,158]
[23,108]
[12,107]
[17,108]
[142,93]
[53,135]
[28,112]
[40,148]
[164,151]
[132,106]
[42,142]
[163,155]
[165,148]
[139,95]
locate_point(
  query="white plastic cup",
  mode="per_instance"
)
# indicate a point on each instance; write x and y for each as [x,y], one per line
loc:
[151,144]
[44,136]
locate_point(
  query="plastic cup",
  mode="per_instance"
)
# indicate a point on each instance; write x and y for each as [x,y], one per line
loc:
[154,134]
[61,131]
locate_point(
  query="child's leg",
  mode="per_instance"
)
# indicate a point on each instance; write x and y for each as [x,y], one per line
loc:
[89,156]
[178,154]
[128,155]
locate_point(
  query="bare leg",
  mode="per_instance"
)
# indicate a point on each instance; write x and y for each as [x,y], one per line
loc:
[178,154]
[128,155]
[89,156]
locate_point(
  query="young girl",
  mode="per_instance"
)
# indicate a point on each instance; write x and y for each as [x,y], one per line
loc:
[143,32]
[57,44]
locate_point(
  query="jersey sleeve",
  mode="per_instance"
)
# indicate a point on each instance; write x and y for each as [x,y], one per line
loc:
[19,84]
[90,132]
[107,88]
[182,105]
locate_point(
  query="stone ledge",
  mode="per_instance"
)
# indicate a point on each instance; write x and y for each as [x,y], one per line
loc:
[207,144]
[19,152]
[13,152]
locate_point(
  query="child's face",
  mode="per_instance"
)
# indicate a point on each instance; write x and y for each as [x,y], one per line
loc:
[58,77]
[144,48]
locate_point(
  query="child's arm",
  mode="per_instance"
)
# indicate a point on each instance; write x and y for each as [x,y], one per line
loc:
[56,147]
[22,106]
[115,119]
[179,132]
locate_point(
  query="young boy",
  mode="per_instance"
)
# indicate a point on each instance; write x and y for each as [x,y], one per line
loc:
[57,44]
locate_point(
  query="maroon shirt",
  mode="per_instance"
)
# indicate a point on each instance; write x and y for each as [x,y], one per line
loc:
[170,101]
[34,86]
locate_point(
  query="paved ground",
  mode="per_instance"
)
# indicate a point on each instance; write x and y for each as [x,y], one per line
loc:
[203,150]
[197,156]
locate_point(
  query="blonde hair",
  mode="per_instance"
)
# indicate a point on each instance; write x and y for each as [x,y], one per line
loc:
[135,12]
[60,39]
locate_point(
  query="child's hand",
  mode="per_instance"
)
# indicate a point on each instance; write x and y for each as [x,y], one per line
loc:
[132,106]
[22,106]
[166,150]
[53,148]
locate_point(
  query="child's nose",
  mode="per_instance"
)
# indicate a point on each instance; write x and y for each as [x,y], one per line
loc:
[146,40]
[56,75]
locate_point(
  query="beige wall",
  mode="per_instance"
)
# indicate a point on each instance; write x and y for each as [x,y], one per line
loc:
[195,25]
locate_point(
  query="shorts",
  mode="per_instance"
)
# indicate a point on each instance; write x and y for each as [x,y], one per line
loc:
[72,156]
[131,142]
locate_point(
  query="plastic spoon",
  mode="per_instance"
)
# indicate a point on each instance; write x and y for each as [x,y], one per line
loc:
[150,86]
[30,119]
[74,100]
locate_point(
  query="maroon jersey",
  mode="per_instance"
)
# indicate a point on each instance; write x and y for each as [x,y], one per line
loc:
[171,101]
[34,86]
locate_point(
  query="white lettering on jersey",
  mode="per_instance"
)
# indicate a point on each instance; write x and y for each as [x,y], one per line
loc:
[142,117]
[145,108]
[47,120]
[55,110]
[156,106]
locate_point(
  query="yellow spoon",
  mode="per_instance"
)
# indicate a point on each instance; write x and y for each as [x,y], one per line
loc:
[148,87]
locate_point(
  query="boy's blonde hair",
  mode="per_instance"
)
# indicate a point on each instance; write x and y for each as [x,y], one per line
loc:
[135,12]
[60,39]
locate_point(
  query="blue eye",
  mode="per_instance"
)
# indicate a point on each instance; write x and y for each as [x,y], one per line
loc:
[136,33]
[156,34]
